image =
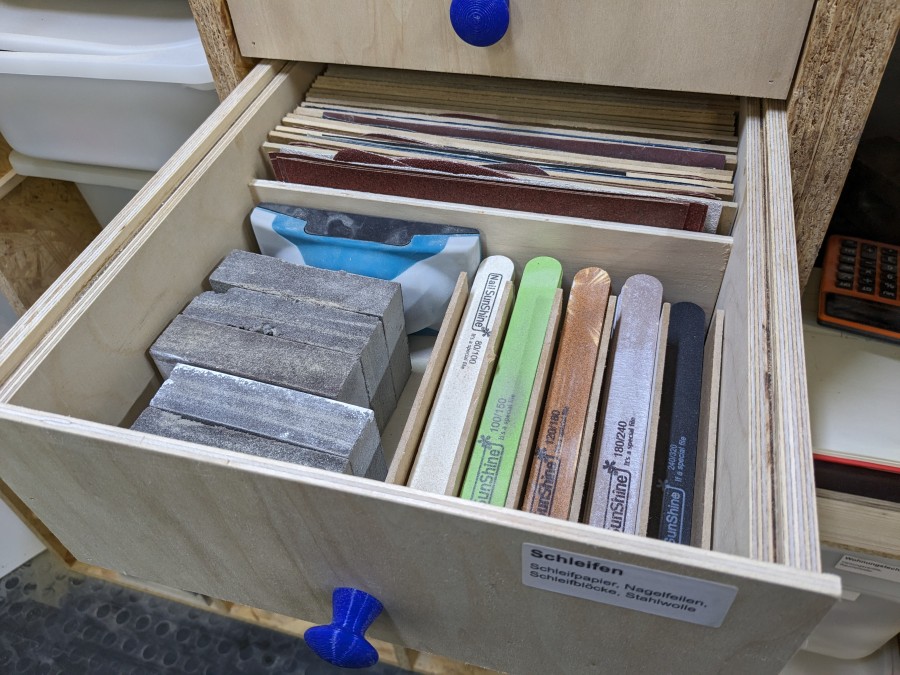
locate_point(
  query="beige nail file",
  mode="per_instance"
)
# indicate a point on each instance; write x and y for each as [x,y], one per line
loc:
[441,458]
[617,495]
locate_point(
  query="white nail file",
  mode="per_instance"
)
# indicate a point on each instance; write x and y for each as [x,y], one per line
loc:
[441,458]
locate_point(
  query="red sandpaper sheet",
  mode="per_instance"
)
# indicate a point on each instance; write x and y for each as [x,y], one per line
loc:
[420,183]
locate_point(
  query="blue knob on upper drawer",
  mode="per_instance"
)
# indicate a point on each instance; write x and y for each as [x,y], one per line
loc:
[342,642]
[480,22]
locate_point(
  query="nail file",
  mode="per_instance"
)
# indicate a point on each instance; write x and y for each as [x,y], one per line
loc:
[424,258]
[457,407]
[672,496]
[522,465]
[553,469]
[619,457]
[591,426]
[365,295]
[502,423]
[163,423]
[271,360]
[278,413]
[309,323]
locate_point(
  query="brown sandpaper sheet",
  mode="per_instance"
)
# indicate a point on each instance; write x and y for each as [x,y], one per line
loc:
[420,183]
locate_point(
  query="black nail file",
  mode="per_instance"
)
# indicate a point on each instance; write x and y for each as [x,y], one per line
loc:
[672,499]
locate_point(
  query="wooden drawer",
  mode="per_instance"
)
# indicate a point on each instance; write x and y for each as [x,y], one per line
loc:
[721,46]
[449,572]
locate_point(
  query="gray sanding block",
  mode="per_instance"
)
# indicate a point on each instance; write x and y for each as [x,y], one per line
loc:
[163,423]
[310,323]
[315,370]
[365,295]
[278,413]
[378,468]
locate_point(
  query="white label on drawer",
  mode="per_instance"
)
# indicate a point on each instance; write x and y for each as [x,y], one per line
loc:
[613,583]
[869,567]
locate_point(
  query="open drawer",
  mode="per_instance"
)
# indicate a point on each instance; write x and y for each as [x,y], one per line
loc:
[449,572]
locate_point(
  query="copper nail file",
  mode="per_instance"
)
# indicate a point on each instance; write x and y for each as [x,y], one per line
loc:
[620,456]
[442,453]
[552,479]
[672,497]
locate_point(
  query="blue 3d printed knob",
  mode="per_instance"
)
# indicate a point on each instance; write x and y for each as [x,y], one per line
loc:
[342,642]
[480,22]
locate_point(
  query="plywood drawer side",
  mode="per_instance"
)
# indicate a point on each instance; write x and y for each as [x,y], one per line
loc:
[280,537]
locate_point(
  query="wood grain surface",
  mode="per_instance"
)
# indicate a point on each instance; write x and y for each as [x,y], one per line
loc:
[705,481]
[44,225]
[729,46]
[859,523]
[847,47]
[347,526]
[227,64]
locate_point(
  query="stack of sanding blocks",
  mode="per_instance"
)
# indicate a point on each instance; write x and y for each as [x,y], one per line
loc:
[284,354]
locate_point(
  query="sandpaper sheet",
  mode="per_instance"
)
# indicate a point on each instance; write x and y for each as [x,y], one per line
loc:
[421,184]
[549,141]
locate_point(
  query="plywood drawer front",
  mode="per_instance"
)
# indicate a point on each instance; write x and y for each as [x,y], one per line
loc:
[717,46]
[281,537]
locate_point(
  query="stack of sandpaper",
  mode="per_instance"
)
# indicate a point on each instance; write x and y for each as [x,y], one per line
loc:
[314,343]
[626,156]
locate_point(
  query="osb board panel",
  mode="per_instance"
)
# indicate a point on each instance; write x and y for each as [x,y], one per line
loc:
[44,225]
[4,156]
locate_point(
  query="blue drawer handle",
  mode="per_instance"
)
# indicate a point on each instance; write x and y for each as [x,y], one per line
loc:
[342,642]
[480,22]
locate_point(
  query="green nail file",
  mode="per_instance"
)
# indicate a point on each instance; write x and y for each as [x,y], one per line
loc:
[503,421]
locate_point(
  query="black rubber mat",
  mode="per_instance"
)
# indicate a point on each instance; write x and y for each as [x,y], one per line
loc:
[54,621]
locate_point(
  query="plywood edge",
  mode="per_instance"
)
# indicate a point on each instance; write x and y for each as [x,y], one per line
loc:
[535,403]
[591,421]
[41,531]
[795,520]
[859,523]
[705,474]
[744,502]
[9,181]
[662,335]
[398,473]
[75,280]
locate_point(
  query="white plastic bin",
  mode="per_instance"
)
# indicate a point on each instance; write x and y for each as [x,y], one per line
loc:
[105,189]
[885,661]
[104,82]
[868,616]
